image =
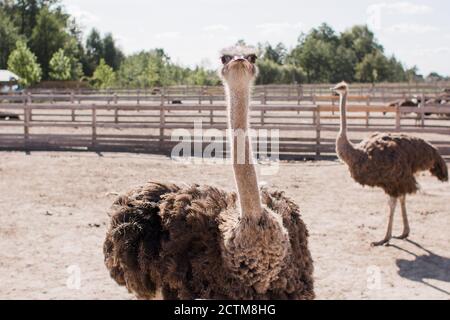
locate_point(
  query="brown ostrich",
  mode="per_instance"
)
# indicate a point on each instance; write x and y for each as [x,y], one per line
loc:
[388,161]
[200,242]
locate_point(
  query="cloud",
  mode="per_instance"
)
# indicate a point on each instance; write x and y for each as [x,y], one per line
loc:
[411,28]
[216,27]
[403,7]
[83,17]
[276,28]
[167,35]
[433,51]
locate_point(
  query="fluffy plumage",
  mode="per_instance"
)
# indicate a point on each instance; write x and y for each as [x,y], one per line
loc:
[390,161]
[171,237]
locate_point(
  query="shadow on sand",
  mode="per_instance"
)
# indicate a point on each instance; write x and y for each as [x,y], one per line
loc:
[426,266]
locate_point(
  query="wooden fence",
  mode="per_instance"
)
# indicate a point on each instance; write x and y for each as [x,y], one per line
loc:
[305,125]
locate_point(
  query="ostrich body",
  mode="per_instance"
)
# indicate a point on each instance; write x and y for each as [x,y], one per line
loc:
[388,161]
[200,242]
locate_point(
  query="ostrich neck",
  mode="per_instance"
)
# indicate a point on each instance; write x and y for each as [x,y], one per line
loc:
[241,152]
[343,116]
[344,146]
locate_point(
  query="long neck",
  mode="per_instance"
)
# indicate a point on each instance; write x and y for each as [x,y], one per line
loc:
[241,151]
[344,147]
[343,113]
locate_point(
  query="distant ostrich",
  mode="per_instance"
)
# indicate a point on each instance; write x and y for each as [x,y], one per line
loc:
[199,242]
[415,102]
[388,161]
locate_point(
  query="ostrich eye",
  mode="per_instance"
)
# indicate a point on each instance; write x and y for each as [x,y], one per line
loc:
[251,58]
[225,59]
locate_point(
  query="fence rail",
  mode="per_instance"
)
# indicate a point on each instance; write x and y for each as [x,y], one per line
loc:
[307,124]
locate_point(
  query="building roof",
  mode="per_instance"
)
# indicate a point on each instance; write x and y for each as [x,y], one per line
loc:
[7,76]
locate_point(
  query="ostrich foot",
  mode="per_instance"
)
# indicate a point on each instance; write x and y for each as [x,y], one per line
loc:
[404,236]
[381,243]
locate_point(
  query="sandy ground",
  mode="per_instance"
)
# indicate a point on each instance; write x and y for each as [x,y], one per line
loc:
[53,221]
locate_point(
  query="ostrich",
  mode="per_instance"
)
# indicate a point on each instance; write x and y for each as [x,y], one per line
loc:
[200,242]
[388,161]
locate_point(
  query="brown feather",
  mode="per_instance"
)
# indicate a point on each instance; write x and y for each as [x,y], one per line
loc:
[171,238]
[390,161]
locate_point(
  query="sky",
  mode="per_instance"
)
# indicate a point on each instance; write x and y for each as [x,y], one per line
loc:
[194,31]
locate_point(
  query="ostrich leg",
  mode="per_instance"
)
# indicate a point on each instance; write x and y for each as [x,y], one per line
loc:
[392,205]
[405,233]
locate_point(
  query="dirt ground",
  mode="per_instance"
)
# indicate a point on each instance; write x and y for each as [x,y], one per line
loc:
[53,221]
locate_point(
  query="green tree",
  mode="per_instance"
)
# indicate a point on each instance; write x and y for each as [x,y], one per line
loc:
[272,73]
[74,52]
[324,33]
[9,35]
[24,63]
[434,76]
[94,51]
[48,37]
[343,65]
[361,40]
[411,74]
[104,76]
[146,69]
[111,53]
[240,42]
[276,54]
[74,49]
[24,13]
[373,68]
[315,56]
[396,70]
[60,66]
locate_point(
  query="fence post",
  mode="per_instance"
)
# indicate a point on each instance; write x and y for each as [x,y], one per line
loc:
[333,103]
[398,116]
[30,101]
[368,112]
[26,123]
[116,109]
[94,126]
[317,116]
[72,101]
[422,113]
[299,94]
[264,96]
[211,117]
[162,122]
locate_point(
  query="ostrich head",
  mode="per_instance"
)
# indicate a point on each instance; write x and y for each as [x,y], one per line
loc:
[340,89]
[239,69]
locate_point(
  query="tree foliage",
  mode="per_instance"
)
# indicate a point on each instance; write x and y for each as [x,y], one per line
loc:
[354,55]
[271,72]
[60,66]
[321,55]
[24,63]
[9,35]
[104,76]
[48,37]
